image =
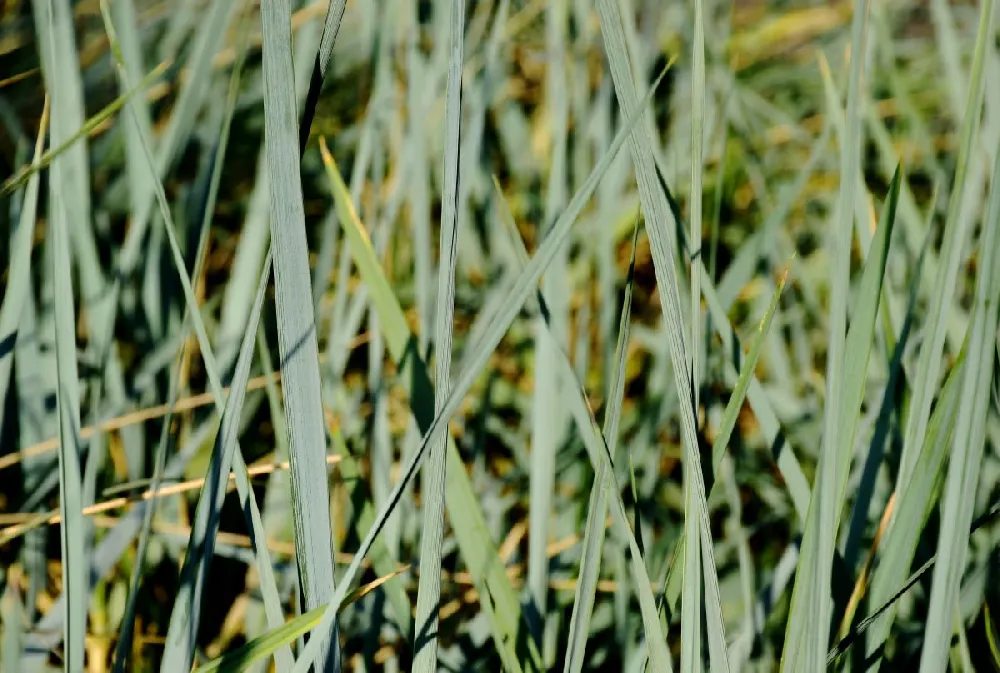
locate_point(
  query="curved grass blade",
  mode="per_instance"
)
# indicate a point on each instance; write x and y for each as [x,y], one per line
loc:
[297,341]
[434,471]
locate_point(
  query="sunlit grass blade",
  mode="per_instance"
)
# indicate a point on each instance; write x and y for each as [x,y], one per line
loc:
[659,224]
[691,595]
[73,544]
[297,342]
[808,627]
[429,589]
[185,617]
[968,441]
[597,509]
[397,330]
[548,418]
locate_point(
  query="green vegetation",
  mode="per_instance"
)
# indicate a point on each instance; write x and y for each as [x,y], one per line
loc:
[501,335]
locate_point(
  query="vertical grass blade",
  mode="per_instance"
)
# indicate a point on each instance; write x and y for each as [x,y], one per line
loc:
[67,187]
[597,509]
[968,444]
[808,629]
[297,342]
[956,229]
[331,26]
[429,589]
[547,415]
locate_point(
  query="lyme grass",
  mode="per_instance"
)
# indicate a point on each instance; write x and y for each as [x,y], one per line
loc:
[641,389]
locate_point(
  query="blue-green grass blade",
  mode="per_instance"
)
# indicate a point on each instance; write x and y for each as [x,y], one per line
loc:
[597,509]
[968,441]
[434,470]
[808,626]
[297,342]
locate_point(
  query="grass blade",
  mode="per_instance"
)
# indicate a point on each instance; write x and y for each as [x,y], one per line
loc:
[434,471]
[956,229]
[297,342]
[183,630]
[968,442]
[808,629]
[19,279]
[331,26]
[257,649]
[72,531]
[659,224]
[597,509]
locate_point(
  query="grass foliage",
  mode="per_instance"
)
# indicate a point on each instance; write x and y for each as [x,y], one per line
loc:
[700,373]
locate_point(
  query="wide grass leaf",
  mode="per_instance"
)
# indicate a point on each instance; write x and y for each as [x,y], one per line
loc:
[297,341]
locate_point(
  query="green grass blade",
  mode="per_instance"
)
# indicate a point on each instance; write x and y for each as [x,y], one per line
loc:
[43,161]
[968,442]
[257,649]
[728,424]
[74,560]
[434,471]
[297,342]
[597,509]
[548,419]
[808,628]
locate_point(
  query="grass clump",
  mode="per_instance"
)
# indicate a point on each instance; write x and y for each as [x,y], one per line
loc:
[699,375]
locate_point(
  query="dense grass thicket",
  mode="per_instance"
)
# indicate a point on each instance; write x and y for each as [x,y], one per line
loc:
[482,335]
